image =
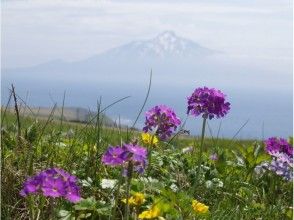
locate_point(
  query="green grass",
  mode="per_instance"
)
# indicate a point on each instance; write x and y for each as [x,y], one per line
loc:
[229,186]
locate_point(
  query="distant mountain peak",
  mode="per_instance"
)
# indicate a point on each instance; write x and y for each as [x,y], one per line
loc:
[168,42]
[165,45]
[167,36]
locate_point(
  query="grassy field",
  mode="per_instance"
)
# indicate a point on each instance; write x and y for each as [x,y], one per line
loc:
[228,185]
[68,114]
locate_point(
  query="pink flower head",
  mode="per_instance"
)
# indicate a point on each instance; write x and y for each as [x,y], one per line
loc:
[207,102]
[163,120]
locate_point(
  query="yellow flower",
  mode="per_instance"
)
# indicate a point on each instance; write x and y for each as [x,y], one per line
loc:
[136,199]
[199,207]
[149,214]
[149,139]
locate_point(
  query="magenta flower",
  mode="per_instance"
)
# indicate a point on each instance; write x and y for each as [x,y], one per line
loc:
[113,156]
[54,183]
[282,157]
[163,120]
[31,186]
[276,146]
[207,102]
[138,156]
[72,194]
[120,156]
[53,187]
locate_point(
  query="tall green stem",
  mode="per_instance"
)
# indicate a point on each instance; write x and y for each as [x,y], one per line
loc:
[116,195]
[201,148]
[31,207]
[149,149]
[129,179]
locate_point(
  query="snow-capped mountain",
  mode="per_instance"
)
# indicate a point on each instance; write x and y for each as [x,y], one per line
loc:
[165,48]
[164,45]
[166,54]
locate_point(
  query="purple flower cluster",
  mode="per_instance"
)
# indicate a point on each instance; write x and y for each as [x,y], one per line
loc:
[163,120]
[279,167]
[282,161]
[278,146]
[207,102]
[213,157]
[282,169]
[120,156]
[53,182]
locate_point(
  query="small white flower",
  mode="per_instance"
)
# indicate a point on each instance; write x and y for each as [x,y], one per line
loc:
[108,183]
[174,187]
[60,144]
[149,180]
[187,150]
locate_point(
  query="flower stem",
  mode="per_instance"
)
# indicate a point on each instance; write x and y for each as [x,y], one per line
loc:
[149,149]
[201,149]
[31,208]
[116,195]
[129,179]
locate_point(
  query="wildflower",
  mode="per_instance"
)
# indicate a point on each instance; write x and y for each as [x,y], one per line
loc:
[136,200]
[149,139]
[163,120]
[275,146]
[53,187]
[73,194]
[213,157]
[54,183]
[113,156]
[282,169]
[187,150]
[282,157]
[261,168]
[277,166]
[108,183]
[174,187]
[199,207]
[149,214]
[119,156]
[207,102]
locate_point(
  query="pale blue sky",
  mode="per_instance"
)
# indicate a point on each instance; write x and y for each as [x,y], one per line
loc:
[38,31]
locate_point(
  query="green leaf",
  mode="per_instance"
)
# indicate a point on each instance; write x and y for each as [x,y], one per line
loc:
[262,157]
[250,149]
[86,204]
[65,215]
[106,210]
[31,133]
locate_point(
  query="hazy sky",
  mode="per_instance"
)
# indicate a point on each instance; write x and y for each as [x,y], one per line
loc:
[38,31]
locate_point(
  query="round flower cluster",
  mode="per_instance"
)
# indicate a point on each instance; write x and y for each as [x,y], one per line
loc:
[163,120]
[282,158]
[119,156]
[282,169]
[207,102]
[281,151]
[277,166]
[53,182]
[278,146]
